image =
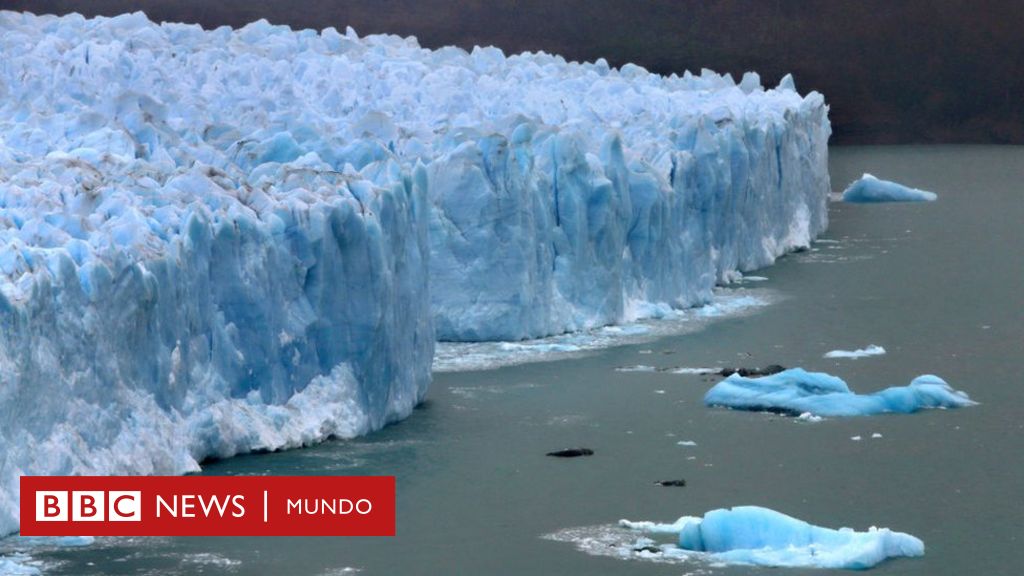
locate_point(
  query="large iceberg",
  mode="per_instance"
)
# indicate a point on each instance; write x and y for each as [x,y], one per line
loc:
[756,535]
[797,391]
[868,189]
[220,241]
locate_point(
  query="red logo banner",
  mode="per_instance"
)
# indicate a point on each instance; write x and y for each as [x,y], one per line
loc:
[208,505]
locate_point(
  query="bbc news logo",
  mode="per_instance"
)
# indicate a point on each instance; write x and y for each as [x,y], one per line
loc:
[88,506]
[208,505]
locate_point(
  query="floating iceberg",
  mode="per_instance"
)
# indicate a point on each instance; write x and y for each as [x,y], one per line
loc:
[797,392]
[870,189]
[756,535]
[871,350]
[220,241]
[17,565]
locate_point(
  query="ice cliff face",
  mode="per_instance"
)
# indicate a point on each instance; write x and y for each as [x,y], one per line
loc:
[220,241]
[183,276]
[611,196]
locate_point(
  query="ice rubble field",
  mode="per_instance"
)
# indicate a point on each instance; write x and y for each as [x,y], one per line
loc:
[796,391]
[220,241]
[756,535]
[868,189]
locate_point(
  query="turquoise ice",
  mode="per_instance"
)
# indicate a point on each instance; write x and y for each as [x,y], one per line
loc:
[797,391]
[869,189]
[761,536]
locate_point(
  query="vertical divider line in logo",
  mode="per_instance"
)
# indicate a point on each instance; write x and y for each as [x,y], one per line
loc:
[264,506]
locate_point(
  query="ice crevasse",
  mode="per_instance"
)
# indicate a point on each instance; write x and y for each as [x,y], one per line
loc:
[220,241]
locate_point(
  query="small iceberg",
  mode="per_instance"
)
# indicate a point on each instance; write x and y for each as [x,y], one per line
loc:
[872,350]
[16,552]
[764,537]
[15,566]
[870,189]
[797,391]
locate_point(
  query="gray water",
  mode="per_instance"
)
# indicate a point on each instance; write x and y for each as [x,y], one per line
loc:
[938,285]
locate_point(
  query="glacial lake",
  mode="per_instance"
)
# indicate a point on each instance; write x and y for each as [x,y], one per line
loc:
[939,285]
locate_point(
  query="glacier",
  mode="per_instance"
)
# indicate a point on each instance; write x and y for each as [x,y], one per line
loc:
[182,275]
[649,192]
[219,241]
[761,536]
[868,189]
[729,302]
[797,391]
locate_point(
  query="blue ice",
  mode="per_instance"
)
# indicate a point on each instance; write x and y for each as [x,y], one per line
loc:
[761,536]
[869,189]
[798,391]
[17,565]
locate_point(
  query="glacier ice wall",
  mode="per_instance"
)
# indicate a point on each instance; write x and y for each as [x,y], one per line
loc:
[219,241]
[182,275]
[608,196]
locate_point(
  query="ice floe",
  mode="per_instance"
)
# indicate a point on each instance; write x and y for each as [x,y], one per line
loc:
[797,391]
